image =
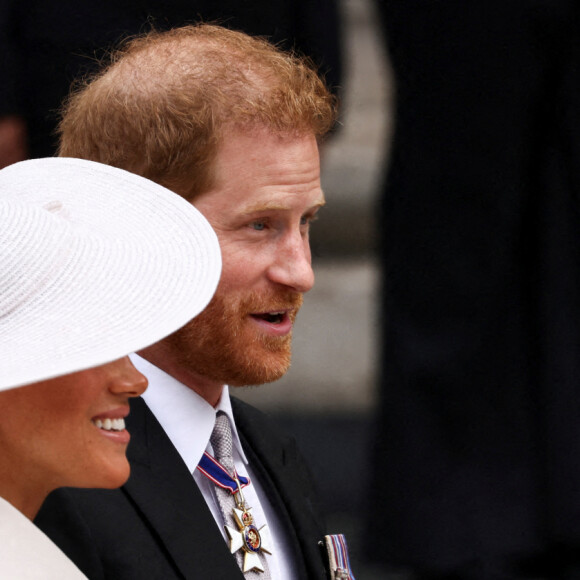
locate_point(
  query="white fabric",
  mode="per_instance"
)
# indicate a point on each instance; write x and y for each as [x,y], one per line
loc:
[27,554]
[188,421]
[95,263]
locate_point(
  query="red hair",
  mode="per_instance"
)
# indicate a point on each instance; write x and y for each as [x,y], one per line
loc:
[162,106]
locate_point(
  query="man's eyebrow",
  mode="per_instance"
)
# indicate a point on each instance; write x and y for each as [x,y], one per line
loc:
[261,207]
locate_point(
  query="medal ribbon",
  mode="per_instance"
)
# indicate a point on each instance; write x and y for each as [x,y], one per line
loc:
[217,473]
[338,557]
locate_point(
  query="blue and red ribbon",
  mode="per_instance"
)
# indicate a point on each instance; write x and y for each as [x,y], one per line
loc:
[217,473]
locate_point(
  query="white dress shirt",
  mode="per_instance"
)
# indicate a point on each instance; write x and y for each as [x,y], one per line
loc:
[188,420]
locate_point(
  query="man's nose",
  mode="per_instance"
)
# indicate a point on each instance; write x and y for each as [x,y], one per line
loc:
[292,265]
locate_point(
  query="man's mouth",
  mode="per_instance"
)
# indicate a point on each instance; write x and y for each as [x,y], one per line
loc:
[271,317]
[110,424]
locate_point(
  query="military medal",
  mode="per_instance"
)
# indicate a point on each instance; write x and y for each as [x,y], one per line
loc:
[251,540]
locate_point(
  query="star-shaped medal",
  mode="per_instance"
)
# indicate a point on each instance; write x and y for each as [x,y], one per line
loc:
[250,539]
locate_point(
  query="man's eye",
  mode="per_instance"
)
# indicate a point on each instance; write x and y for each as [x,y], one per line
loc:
[258,225]
[308,219]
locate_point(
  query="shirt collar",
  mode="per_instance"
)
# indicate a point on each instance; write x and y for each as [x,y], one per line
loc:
[186,417]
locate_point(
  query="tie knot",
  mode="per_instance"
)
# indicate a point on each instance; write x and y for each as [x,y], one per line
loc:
[221,441]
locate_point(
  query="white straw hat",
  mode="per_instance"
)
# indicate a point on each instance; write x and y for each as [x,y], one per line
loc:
[95,263]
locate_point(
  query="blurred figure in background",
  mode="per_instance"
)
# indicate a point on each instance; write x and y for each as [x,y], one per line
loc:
[44,46]
[478,451]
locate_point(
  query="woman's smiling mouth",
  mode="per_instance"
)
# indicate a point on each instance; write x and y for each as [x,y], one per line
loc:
[110,424]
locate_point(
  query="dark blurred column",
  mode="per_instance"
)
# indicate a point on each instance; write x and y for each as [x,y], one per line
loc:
[478,436]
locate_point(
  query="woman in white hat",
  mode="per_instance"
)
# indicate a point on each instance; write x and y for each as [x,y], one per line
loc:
[95,263]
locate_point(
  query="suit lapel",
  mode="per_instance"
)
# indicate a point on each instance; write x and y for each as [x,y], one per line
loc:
[165,492]
[286,480]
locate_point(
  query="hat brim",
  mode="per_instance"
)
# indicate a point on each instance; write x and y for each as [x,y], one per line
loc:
[95,263]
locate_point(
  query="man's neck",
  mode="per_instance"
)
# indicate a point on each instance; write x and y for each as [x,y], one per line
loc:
[206,388]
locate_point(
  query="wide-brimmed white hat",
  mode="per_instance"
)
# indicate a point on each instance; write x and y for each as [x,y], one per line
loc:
[95,263]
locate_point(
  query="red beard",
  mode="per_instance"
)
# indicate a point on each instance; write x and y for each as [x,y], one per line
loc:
[223,344]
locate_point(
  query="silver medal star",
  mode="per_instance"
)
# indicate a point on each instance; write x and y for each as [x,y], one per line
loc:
[239,539]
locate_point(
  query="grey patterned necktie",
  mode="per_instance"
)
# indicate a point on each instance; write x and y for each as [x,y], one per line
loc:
[246,541]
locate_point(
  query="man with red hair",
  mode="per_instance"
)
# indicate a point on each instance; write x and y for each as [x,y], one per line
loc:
[233,125]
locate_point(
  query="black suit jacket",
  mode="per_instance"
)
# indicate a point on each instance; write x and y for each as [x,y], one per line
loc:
[158,525]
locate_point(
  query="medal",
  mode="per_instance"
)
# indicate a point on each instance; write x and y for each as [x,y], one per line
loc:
[251,540]
[248,538]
